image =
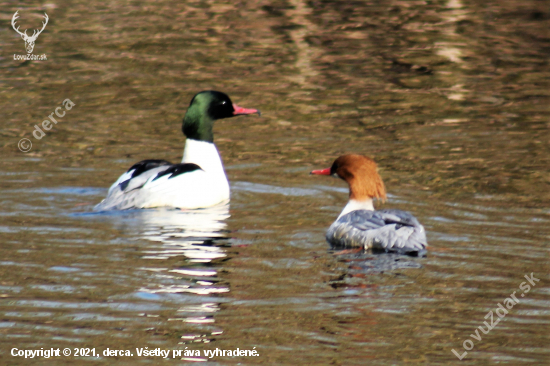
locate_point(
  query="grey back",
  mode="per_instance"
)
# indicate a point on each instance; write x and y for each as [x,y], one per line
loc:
[388,230]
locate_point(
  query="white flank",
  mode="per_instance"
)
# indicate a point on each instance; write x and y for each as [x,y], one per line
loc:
[200,188]
[197,189]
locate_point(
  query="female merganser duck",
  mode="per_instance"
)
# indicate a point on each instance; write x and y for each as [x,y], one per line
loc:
[359,225]
[199,181]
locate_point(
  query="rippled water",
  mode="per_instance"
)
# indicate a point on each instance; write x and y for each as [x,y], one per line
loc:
[450,97]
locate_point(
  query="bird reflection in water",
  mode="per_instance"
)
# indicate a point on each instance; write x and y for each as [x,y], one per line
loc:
[198,237]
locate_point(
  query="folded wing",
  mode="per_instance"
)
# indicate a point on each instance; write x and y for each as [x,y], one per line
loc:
[389,230]
[137,187]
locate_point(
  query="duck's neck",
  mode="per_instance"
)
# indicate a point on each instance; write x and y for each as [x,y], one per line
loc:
[354,205]
[197,125]
[204,154]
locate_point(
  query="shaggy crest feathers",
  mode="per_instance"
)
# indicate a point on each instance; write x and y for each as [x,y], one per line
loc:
[361,174]
[359,225]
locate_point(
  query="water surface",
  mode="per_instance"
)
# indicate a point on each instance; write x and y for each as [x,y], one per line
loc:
[450,97]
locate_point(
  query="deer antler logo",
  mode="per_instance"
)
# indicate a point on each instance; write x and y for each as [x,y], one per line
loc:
[29,41]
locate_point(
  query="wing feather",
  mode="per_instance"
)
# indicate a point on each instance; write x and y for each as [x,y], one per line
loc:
[127,192]
[389,230]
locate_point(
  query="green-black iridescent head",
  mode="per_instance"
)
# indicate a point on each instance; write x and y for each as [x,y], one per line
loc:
[206,107]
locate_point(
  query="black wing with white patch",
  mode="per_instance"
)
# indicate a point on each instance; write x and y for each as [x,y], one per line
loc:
[178,169]
[124,192]
[142,167]
[146,165]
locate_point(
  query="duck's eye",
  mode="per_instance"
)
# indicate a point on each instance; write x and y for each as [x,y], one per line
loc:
[223,102]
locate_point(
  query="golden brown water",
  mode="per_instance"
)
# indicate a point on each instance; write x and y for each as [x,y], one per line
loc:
[450,97]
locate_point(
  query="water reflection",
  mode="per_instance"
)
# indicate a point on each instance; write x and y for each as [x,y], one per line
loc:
[452,44]
[190,242]
[364,262]
[451,97]
[305,54]
[191,233]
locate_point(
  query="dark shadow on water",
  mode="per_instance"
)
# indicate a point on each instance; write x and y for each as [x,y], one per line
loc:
[375,262]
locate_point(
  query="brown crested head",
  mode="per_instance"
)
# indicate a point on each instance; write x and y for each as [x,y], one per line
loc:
[361,173]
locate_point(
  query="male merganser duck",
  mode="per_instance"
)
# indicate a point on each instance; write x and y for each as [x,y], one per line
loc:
[359,225]
[199,181]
